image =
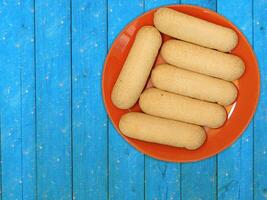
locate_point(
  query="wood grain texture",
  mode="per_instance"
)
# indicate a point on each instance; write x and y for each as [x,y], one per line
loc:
[53,91]
[235,165]
[56,140]
[210,4]
[11,143]
[89,121]
[260,122]
[162,179]
[28,128]
[199,180]
[17,100]
[126,165]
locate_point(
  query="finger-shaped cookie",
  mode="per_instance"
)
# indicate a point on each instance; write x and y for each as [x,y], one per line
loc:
[173,79]
[137,67]
[173,106]
[195,30]
[162,131]
[202,60]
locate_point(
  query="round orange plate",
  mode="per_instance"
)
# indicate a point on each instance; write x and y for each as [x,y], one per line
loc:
[239,114]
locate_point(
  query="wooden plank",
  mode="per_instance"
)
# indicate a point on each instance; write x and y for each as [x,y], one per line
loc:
[126,165]
[162,179]
[260,120]
[235,169]
[210,4]
[235,165]
[0,146]
[10,101]
[53,90]
[199,179]
[17,100]
[28,102]
[89,47]
[151,4]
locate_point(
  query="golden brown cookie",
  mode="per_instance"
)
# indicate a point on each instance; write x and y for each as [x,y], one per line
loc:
[173,106]
[162,131]
[202,60]
[173,79]
[195,30]
[137,67]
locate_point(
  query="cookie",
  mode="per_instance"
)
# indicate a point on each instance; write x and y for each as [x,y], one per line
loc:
[202,60]
[162,131]
[173,79]
[172,106]
[195,30]
[137,67]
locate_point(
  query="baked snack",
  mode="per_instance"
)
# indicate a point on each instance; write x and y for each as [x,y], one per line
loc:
[173,79]
[137,67]
[195,30]
[173,106]
[163,131]
[202,60]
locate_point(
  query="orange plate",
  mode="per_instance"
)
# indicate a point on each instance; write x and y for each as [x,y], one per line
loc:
[239,114]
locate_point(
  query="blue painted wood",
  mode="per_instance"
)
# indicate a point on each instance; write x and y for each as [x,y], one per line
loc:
[235,165]
[28,101]
[126,165]
[53,90]
[199,179]
[260,119]
[162,179]
[210,4]
[91,157]
[0,147]
[89,121]
[10,49]
[235,169]
[17,100]
[151,4]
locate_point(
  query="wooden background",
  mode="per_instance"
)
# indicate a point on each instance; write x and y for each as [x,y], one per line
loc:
[56,139]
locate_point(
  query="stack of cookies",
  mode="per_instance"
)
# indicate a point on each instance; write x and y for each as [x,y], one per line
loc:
[190,91]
